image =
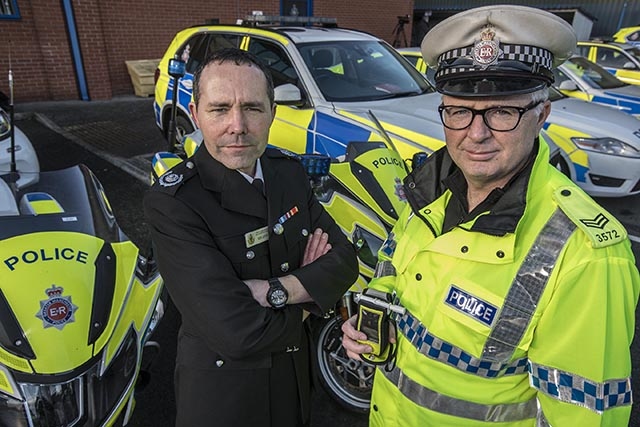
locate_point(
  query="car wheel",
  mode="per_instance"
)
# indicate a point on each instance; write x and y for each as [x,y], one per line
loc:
[561,164]
[183,127]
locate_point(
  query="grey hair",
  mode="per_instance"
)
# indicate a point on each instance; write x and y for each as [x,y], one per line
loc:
[539,96]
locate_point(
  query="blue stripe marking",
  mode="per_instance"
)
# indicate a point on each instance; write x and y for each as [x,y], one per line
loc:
[581,172]
[632,98]
[630,107]
[332,135]
[36,197]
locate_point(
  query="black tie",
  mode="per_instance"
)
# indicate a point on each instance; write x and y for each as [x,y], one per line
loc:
[259,185]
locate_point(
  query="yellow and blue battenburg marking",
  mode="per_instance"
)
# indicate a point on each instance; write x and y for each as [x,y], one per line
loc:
[39,203]
[163,162]
[389,245]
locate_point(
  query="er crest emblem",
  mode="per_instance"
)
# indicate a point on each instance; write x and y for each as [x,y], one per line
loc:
[57,310]
[487,50]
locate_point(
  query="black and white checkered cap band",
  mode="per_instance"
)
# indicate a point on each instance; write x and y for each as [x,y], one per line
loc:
[512,52]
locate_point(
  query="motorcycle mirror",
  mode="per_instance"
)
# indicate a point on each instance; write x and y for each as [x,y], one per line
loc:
[176,68]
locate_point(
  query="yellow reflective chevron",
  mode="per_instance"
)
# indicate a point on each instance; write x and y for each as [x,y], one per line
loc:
[602,228]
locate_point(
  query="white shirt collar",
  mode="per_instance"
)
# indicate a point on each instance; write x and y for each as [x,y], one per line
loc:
[258,173]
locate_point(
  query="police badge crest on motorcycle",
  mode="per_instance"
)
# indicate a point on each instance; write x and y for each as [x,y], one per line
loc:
[57,310]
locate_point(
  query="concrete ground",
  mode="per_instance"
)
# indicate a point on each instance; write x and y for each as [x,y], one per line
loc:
[121,131]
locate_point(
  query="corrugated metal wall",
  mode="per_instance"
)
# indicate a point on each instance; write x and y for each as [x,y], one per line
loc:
[608,15]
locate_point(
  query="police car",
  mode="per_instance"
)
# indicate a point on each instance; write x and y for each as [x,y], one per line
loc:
[630,35]
[599,146]
[620,59]
[580,78]
[332,86]
[414,55]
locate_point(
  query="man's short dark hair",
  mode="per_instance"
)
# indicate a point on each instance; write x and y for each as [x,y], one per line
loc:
[239,57]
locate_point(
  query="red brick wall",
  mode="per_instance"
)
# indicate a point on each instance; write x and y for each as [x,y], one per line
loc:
[39,50]
[113,32]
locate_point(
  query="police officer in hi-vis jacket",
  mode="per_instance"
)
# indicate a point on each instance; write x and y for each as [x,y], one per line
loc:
[518,291]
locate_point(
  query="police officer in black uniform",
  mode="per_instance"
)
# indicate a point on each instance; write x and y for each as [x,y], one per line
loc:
[243,263]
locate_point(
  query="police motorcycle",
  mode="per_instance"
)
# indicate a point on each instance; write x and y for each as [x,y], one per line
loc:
[363,192]
[78,302]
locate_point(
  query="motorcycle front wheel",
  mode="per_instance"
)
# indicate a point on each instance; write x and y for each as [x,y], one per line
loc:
[347,381]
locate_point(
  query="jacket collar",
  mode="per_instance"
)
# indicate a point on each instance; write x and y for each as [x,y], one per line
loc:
[437,175]
[236,193]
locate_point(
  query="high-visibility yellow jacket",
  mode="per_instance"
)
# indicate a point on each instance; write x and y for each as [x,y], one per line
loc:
[531,326]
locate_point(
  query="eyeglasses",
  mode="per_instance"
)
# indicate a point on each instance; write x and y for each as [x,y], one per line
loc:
[500,119]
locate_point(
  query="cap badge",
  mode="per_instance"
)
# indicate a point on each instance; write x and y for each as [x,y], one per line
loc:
[57,310]
[487,50]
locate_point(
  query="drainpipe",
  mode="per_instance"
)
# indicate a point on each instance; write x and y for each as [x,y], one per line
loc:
[75,49]
[624,9]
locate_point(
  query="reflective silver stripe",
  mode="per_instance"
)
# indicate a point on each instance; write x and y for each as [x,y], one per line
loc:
[435,348]
[384,268]
[541,420]
[434,401]
[571,388]
[526,289]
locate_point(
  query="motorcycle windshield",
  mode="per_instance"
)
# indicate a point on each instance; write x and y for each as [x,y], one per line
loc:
[67,200]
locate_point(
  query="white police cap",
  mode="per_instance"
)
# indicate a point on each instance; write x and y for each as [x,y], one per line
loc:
[497,50]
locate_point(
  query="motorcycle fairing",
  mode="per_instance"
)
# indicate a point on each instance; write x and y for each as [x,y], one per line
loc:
[73,258]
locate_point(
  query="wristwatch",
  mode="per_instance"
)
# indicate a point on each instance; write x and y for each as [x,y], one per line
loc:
[277,294]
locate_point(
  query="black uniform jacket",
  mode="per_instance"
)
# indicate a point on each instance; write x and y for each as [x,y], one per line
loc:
[205,222]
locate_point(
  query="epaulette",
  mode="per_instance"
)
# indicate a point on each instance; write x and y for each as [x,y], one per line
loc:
[281,153]
[602,228]
[171,181]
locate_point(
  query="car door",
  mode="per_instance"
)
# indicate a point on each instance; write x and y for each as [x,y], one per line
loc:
[291,127]
[618,62]
[193,52]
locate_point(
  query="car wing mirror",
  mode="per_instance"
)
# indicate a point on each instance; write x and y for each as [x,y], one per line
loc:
[629,66]
[568,85]
[288,94]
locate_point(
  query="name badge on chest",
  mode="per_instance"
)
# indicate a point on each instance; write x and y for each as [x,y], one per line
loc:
[471,305]
[256,237]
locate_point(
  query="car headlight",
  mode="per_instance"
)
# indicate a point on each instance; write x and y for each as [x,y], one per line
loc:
[5,124]
[610,146]
[45,404]
[88,399]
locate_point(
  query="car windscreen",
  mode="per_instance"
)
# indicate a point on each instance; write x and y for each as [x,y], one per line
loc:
[635,52]
[555,94]
[361,70]
[593,74]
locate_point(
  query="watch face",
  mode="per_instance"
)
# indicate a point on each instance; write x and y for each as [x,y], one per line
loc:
[278,298]
[277,294]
